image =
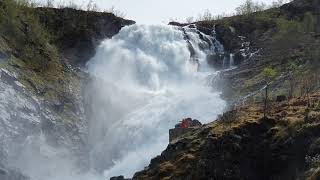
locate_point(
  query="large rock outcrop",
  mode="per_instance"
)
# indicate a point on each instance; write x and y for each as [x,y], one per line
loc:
[242,144]
[298,8]
[278,38]
[41,98]
[78,32]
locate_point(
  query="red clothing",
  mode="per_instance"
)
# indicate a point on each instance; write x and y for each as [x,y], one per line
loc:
[185,123]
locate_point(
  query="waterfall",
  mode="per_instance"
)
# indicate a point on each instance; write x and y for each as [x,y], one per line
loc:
[231,60]
[142,82]
[145,79]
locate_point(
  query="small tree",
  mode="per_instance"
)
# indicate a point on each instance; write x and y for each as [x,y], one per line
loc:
[116,12]
[269,75]
[309,22]
[206,16]
[308,84]
[189,20]
[92,6]
[249,7]
[293,73]
[278,3]
[49,3]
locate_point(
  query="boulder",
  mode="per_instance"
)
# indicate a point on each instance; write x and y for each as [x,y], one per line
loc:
[227,36]
[215,60]
[78,32]
[173,23]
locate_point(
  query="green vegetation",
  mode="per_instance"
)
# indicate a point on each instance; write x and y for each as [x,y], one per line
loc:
[32,56]
[293,72]
[291,45]
[309,22]
[290,27]
[20,26]
[250,7]
[32,39]
[247,9]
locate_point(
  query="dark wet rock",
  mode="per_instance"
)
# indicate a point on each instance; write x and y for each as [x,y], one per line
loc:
[216,60]
[241,144]
[228,38]
[173,23]
[246,154]
[238,58]
[79,32]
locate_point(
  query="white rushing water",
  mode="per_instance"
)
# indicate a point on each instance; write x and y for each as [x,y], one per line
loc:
[144,83]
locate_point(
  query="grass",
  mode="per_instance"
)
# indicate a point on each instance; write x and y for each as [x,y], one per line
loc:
[285,124]
[20,27]
[34,58]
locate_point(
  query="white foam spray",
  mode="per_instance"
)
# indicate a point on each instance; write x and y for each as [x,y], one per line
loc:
[144,83]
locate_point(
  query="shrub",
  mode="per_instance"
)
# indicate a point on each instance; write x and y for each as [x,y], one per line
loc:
[206,16]
[269,75]
[250,7]
[116,12]
[9,12]
[285,26]
[21,26]
[309,22]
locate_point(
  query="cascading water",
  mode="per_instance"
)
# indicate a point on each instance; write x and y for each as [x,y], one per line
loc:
[231,60]
[145,79]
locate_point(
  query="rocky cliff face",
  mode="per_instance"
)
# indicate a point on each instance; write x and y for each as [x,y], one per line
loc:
[41,98]
[278,38]
[77,33]
[241,144]
[42,107]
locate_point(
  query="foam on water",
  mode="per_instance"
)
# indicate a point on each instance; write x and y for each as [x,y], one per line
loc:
[144,80]
[144,83]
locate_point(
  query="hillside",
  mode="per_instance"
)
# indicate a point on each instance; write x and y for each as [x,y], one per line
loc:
[285,39]
[42,51]
[241,144]
[45,103]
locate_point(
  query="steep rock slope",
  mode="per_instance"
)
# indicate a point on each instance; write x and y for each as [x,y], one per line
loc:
[41,99]
[241,144]
[77,33]
[280,38]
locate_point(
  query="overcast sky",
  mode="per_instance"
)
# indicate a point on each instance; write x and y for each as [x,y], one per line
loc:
[162,11]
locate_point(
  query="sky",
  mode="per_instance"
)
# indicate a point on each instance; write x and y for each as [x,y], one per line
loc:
[162,11]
